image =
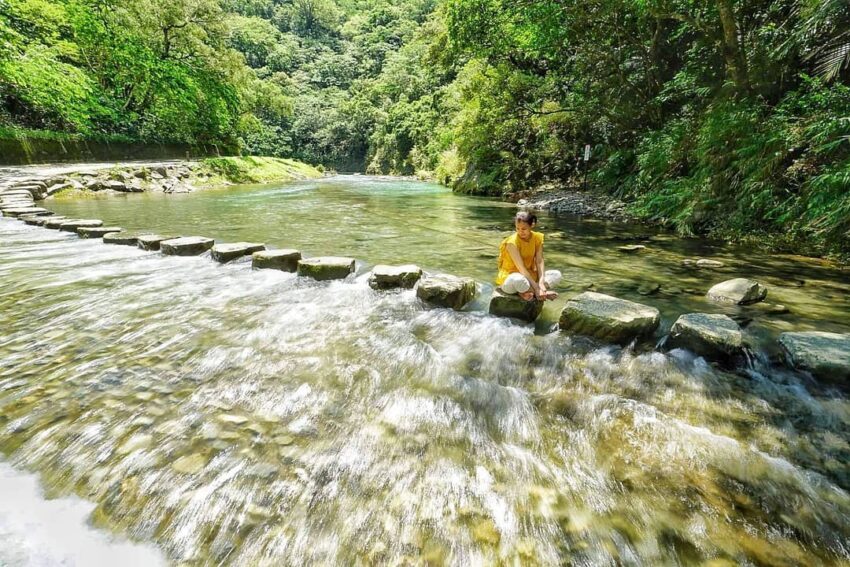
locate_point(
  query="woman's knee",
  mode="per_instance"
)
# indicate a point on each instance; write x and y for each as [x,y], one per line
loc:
[515,283]
[552,278]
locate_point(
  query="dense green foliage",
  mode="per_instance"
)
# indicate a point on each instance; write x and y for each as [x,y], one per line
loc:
[726,117]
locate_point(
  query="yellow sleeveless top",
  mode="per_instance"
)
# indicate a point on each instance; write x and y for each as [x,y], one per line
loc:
[527,249]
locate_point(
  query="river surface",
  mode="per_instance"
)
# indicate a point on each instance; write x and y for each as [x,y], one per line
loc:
[220,415]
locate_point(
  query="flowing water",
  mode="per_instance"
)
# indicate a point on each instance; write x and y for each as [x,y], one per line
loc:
[244,417]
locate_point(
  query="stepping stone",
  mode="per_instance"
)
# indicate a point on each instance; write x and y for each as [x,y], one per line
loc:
[284,260]
[445,290]
[608,318]
[18,211]
[55,222]
[186,246]
[739,290]
[515,307]
[96,231]
[16,193]
[42,220]
[825,355]
[388,277]
[123,238]
[31,220]
[73,225]
[326,268]
[151,241]
[708,335]
[227,252]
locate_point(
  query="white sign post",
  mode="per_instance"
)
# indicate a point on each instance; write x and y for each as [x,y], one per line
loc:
[587,152]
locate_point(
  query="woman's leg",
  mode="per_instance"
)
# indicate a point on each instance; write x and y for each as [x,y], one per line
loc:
[552,278]
[515,284]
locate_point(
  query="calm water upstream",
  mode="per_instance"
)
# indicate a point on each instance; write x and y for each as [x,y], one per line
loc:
[222,415]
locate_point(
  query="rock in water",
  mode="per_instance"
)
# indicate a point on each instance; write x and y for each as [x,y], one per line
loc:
[608,318]
[96,231]
[74,224]
[825,355]
[445,290]
[186,246]
[50,222]
[284,260]
[632,248]
[710,264]
[151,241]
[387,277]
[739,290]
[515,307]
[124,238]
[709,335]
[326,268]
[19,211]
[227,252]
[189,464]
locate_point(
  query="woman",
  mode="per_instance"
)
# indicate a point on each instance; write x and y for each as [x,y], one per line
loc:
[521,265]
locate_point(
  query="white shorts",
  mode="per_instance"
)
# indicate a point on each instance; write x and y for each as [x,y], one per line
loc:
[518,283]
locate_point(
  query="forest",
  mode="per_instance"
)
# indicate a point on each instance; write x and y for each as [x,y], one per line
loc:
[726,118]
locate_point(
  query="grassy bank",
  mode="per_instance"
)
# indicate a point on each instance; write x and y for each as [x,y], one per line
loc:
[250,169]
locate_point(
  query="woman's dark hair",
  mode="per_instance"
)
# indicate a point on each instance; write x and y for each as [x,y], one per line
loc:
[526,217]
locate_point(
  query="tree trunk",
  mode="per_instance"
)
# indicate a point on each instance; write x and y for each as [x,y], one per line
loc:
[736,62]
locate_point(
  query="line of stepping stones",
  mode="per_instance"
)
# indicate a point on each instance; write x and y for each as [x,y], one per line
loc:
[713,336]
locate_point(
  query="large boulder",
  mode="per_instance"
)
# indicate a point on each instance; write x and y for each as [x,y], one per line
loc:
[709,335]
[742,291]
[387,277]
[445,290]
[284,260]
[122,238]
[96,231]
[515,307]
[186,246]
[228,252]
[73,224]
[825,355]
[326,268]
[151,242]
[608,318]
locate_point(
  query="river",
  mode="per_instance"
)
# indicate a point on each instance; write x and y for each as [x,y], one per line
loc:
[225,415]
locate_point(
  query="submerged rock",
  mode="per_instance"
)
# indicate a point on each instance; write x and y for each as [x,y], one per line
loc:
[186,246]
[631,248]
[608,318]
[326,268]
[74,224]
[709,335]
[284,260]
[151,241]
[387,277]
[704,263]
[515,307]
[124,238]
[189,464]
[445,290]
[825,355]
[739,290]
[227,252]
[97,231]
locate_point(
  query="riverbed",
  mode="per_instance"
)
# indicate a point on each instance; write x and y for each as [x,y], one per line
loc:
[226,415]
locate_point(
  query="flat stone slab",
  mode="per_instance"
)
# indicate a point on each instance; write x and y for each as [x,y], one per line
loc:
[608,318]
[326,268]
[709,335]
[18,211]
[515,307]
[445,290]
[825,355]
[186,246]
[741,291]
[228,252]
[31,220]
[123,238]
[388,277]
[73,224]
[44,221]
[285,260]
[97,231]
[151,241]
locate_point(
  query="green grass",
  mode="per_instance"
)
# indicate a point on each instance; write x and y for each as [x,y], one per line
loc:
[256,169]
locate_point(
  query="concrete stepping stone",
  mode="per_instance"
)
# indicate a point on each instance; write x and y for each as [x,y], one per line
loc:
[227,252]
[151,242]
[55,222]
[16,205]
[42,221]
[825,355]
[186,246]
[326,268]
[709,335]
[741,291]
[608,318]
[97,231]
[284,260]
[445,290]
[388,277]
[122,238]
[18,211]
[74,224]
[515,307]
[31,219]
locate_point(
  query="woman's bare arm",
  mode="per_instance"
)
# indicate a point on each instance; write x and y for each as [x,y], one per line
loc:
[513,251]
